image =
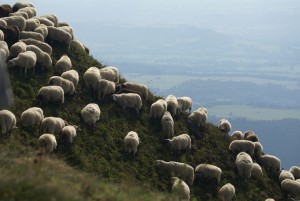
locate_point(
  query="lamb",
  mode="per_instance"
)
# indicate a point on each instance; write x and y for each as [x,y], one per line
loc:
[63,64]
[227,192]
[270,162]
[17,48]
[238,146]
[225,126]
[21,4]
[42,58]
[47,143]
[167,124]
[295,170]
[42,45]
[90,114]
[177,169]
[208,173]
[244,165]
[66,85]
[109,73]
[256,170]
[56,34]
[105,87]
[131,142]
[172,104]
[50,94]
[31,11]
[158,108]
[291,187]
[71,75]
[180,142]
[91,78]
[180,189]
[42,29]
[237,135]
[68,133]
[32,117]
[18,21]
[31,34]
[24,60]
[7,121]
[130,100]
[184,103]
[53,125]
[32,24]
[141,88]
[198,118]
[285,174]
[251,136]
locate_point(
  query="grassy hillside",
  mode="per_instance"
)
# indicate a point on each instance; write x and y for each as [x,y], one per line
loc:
[95,166]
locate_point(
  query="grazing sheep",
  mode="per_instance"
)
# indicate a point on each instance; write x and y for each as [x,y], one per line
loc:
[285,174]
[71,75]
[53,125]
[198,118]
[21,4]
[68,133]
[50,94]
[68,29]
[291,187]
[31,11]
[20,13]
[63,64]
[130,100]
[180,142]
[172,104]
[32,117]
[258,149]
[238,146]
[140,88]
[42,58]
[227,192]
[52,18]
[25,60]
[65,84]
[270,162]
[184,103]
[32,24]
[17,48]
[47,143]
[31,34]
[109,73]
[237,135]
[158,108]
[167,124]
[105,87]
[56,34]
[42,29]
[7,121]
[45,21]
[225,126]
[256,170]
[180,170]
[11,34]
[90,114]
[82,46]
[180,189]
[5,10]
[131,142]
[208,173]
[42,45]
[61,24]
[251,136]
[91,78]
[295,170]
[18,21]
[244,165]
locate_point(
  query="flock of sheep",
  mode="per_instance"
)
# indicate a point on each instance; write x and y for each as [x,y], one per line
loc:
[22,44]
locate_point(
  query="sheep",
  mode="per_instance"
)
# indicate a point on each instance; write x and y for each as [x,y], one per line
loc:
[68,133]
[50,94]
[167,124]
[66,85]
[68,29]
[184,103]
[291,187]
[42,29]
[225,126]
[11,34]
[238,146]
[4,52]
[197,118]
[63,64]
[180,189]
[105,87]
[295,170]
[71,75]
[42,45]
[59,35]
[227,192]
[17,48]
[141,88]
[20,13]
[244,165]
[31,11]
[91,78]
[256,170]
[180,142]
[53,125]
[82,46]
[42,58]
[24,60]
[237,135]
[52,18]
[90,114]
[110,74]
[172,104]
[7,121]
[32,117]
[61,24]
[131,142]
[208,173]
[31,34]
[251,136]
[18,21]
[158,108]
[45,21]
[177,169]
[5,10]
[270,162]
[47,143]
[258,149]
[3,23]
[285,174]
[32,24]
[130,100]
[21,4]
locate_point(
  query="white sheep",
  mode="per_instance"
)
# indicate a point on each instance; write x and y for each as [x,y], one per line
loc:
[71,75]
[258,149]
[172,104]
[131,142]
[42,58]
[68,29]
[3,23]
[167,124]
[180,142]
[238,146]
[270,162]
[208,173]
[65,84]
[32,117]
[63,64]
[227,192]
[17,48]
[105,87]
[177,169]
[61,24]
[52,18]
[50,94]
[31,11]
[237,135]
[269,199]
[285,174]
[25,60]
[7,121]
[53,125]
[184,103]
[109,74]
[197,118]
[158,108]
[32,24]
[20,13]
[130,100]
[31,34]
[180,189]
[42,45]
[1,35]
[81,45]
[56,34]
[256,170]
[291,187]
[21,4]
[91,114]
[295,170]
[47,143]
[224,125]
[68,133]
[45,21]
[18,21]
[42,29]
[91,78]
[115,69]
[140,88]
[244,165]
